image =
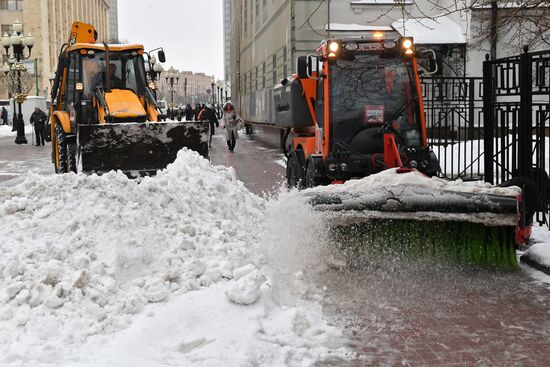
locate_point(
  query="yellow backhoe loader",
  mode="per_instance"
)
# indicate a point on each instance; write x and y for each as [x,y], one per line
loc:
[104,114]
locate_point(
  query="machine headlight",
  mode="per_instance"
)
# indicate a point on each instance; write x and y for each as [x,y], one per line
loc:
[407,43]
[334,47]
[332,167]
[344,167]
[389,45]
[352,46]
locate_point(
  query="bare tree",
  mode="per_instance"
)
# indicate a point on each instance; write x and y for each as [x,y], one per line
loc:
[517,22]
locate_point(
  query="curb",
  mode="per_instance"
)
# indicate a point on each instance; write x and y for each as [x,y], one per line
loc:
[535,265]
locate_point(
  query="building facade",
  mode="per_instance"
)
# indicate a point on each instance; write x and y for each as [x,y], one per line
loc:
[189,87]
[50,22]
[268,36]
[227,38]
[113,22]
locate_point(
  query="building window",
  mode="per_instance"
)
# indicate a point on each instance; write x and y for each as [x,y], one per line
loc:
[245,18]
[6,28]
[275,68]
[11,4]
[263,75]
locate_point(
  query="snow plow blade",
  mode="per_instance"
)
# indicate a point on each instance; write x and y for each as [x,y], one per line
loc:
[416,223]
[138,149]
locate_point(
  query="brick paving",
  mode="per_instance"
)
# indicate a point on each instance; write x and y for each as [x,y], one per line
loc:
[442,317]
[16,160]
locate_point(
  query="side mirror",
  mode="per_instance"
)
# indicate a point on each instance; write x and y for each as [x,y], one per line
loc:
[312,66]
[432,61]
[302,67]
[162,56]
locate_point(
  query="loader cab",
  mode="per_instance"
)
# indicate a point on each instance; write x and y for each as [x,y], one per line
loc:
[366,87]
[97,79]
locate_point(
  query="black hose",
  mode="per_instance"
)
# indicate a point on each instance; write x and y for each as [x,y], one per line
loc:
[285,138]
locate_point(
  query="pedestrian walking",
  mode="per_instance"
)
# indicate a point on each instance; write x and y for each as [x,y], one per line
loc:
[198,110]
[231,122]
[4,116]
[189,113]
[208,114]
[38,120]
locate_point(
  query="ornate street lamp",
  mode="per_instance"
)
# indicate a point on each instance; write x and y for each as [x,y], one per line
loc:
[172,79]
[19,80]
[156,68]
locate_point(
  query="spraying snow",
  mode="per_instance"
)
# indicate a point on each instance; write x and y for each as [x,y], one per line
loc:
[103,265]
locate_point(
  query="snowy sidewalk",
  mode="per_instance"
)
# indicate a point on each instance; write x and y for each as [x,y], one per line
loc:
[17,160]
[258,166]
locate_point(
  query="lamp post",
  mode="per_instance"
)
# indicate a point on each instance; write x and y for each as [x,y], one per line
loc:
[185,91]
[19,80]
[173,80]
[213,92]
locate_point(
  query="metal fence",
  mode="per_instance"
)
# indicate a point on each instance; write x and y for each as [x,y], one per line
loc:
[516,113]
[454,121]
[496,127]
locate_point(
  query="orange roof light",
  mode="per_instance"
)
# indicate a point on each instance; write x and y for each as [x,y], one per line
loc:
[378,35]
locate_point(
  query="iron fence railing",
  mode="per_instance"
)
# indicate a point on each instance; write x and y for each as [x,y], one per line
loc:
[497,127]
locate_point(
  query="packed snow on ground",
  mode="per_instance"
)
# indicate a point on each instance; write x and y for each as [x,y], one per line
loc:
[179,269]
[391,178]
[5,130]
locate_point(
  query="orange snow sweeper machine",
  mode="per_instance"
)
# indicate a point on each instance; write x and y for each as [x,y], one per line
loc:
[354,110]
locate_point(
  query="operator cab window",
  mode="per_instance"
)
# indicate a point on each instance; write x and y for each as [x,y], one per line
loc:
[121,68]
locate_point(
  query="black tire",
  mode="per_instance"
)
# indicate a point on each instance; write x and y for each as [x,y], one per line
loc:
[71,151]
[314,177]
[294,171]
[61,150]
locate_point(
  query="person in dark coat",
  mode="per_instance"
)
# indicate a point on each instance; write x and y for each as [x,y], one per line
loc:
[38,120]
[198,110]
[208,114]
[4,116]
[189,113]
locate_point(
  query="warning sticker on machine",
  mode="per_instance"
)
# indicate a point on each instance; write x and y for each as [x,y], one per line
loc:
[374,114]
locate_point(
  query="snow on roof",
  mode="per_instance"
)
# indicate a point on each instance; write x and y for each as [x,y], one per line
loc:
[440,30]
[352,27]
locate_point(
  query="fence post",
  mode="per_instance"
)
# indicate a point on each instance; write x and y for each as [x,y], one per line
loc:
[471,112]
[488,119]
[525,128]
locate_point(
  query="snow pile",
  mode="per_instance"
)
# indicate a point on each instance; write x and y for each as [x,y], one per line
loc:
[245,288]
[540,251]
[82,256]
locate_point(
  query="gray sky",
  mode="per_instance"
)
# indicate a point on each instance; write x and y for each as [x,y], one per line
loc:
[191,31]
